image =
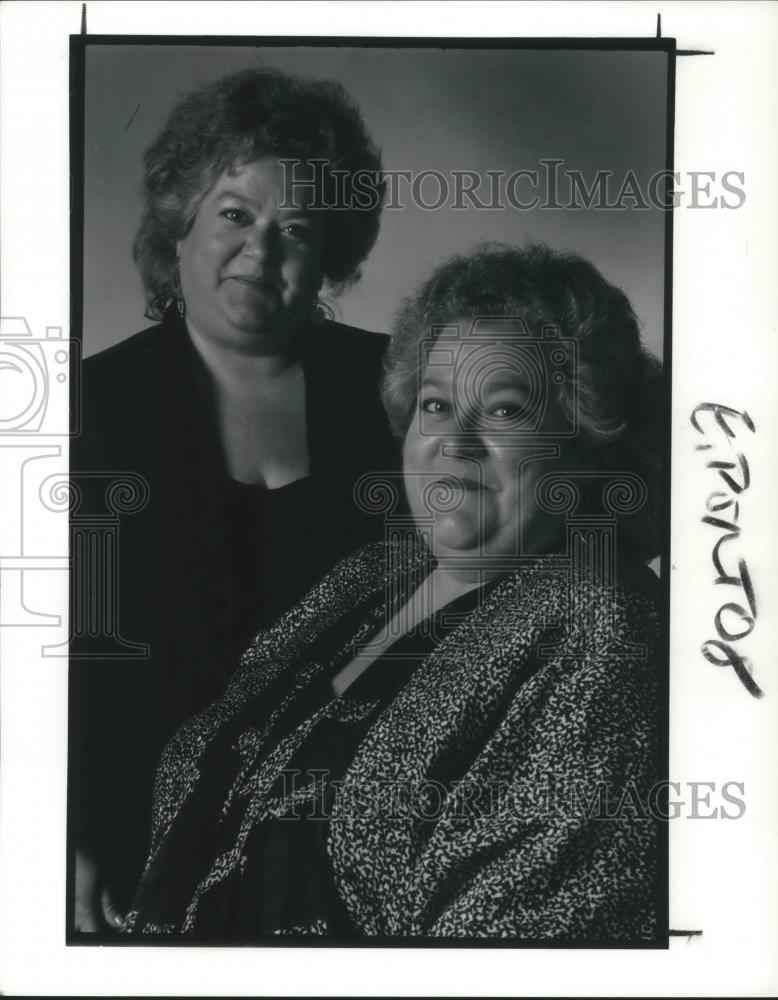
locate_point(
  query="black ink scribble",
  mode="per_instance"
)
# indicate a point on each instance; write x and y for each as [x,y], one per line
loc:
[132,118]
[721,412]
[736,476]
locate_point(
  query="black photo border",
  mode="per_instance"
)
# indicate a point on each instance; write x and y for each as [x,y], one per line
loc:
[77,51]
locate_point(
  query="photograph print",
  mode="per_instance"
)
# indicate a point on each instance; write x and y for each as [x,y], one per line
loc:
[369,596]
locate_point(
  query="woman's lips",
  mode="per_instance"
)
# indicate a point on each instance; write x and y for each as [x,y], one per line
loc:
[260,283]
[460,483]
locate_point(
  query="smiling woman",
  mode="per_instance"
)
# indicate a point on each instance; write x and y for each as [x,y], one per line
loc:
[249,415]
[470,433]
[250,267]
[518,359]
[381,764]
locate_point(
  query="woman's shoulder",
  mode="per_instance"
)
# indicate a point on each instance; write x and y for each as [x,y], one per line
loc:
[130,356]
[348,344]
[367,570]
[561,580]
[633,595]
[357,580]
[355,335]
[594,618]
[126,398]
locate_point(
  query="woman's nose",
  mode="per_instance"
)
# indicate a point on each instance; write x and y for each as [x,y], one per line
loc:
[464,431]
[463,442]
[259,243]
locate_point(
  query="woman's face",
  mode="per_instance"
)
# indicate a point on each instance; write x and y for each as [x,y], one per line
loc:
[473,454]
[250,269]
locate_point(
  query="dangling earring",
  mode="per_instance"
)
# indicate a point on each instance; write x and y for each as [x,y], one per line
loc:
[321,312]
[179,298]
[170,301]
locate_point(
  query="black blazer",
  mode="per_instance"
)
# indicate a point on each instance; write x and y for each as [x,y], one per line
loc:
[147,411]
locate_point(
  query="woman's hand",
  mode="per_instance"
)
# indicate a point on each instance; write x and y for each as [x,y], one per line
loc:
[95,910]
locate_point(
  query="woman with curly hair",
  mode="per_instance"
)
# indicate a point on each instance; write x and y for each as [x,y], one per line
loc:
[246,410]
[454,735]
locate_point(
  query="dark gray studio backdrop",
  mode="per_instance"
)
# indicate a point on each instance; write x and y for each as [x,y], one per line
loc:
[429,109]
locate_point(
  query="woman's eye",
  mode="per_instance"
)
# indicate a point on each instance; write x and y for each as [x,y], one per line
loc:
[297,231]
[234,215]
[437,406]
[506,411]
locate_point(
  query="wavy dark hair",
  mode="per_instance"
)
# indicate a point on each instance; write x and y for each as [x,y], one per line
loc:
[619,390]
[240,118]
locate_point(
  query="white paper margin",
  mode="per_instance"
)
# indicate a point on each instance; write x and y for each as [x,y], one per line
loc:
[723,876]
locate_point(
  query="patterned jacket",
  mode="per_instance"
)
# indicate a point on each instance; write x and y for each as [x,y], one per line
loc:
[537,716]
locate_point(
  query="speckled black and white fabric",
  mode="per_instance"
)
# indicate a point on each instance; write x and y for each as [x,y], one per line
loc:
[525,741]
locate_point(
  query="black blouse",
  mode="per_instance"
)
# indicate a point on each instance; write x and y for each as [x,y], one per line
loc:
[284,884]
[277,547]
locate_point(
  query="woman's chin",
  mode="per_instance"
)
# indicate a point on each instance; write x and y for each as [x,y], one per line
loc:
[457,534]
[252,320]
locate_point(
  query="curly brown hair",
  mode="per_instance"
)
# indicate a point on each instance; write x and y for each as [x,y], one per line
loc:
[240,118]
